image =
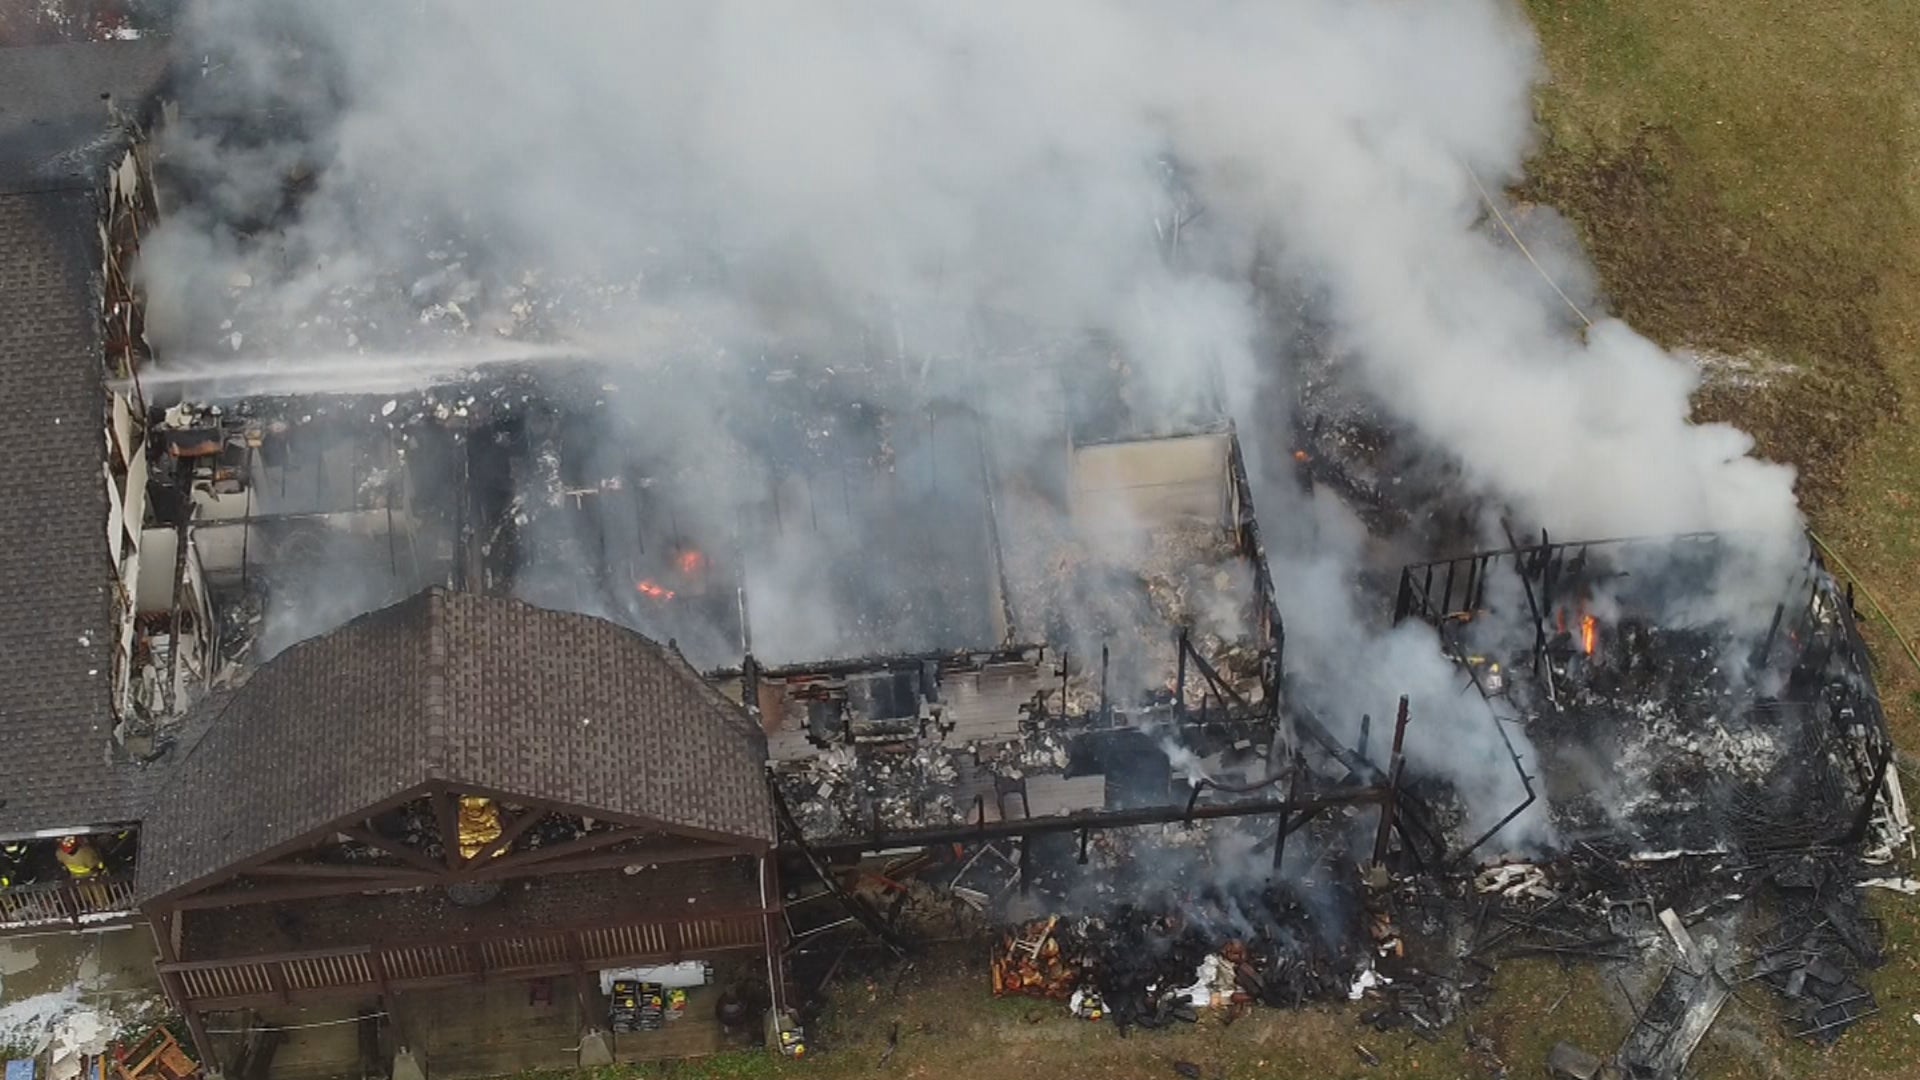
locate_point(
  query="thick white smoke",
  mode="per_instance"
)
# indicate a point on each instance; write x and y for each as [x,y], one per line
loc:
[782,173]
[945,162]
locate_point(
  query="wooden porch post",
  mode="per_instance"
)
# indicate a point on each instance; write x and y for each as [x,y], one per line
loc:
[773,940]
[164,924]
[196,1027]
[576,957]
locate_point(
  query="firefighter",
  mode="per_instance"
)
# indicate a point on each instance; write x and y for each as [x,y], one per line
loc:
[13,864]
[77,854]
[118,851]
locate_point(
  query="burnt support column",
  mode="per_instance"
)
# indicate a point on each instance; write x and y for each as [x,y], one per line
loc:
[1106,709]
[1392,800]
[1286,815]
[1180,676]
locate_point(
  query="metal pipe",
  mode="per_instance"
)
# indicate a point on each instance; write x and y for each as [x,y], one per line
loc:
[246,528]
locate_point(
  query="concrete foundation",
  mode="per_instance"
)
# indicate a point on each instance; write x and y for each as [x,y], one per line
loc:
[407,1065]
[595,1049]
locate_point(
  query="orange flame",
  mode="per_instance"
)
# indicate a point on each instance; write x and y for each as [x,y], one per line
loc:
[1589,633]
[692,561]
[649,588]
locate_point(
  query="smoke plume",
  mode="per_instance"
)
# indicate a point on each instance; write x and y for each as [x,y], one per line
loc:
[956,192]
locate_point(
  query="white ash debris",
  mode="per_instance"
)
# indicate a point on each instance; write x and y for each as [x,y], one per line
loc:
[842,792]
[1515,881]
[1044,751]
[1131,595]
[1750,369]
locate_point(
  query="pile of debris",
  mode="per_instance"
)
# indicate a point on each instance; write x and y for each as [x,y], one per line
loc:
[1151,965]
[1718,808]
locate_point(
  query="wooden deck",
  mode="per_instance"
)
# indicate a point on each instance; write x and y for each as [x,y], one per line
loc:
[523,907]
[373,944]
[358,970]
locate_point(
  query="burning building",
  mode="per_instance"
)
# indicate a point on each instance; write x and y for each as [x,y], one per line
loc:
[449,596]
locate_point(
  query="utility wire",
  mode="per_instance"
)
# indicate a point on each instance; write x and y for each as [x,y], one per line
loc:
[295,1027]
[1487,198]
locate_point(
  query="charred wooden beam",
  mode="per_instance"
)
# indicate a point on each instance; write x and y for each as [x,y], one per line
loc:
[446,811]
[1094,820]
[519,860]
[369,876]
[1520,569]
[862,911]
[1220,685]
[1396,764]
[412,856]
[515,829]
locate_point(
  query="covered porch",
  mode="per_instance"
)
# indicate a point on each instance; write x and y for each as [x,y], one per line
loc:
[458,799]
[496,1027]
[567,924]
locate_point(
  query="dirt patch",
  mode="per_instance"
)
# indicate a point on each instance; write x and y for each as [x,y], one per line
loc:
[1690,275]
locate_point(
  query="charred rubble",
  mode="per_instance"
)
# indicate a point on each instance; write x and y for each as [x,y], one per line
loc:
[1054,668]
[1721,805]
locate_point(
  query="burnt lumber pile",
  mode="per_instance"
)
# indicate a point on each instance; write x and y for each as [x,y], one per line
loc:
[1817,954]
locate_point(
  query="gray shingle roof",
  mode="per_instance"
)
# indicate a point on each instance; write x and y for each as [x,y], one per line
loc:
[468,690]
[56,640]
[56,129]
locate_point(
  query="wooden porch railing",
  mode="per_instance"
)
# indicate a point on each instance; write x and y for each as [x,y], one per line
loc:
[221,983]
[73,902]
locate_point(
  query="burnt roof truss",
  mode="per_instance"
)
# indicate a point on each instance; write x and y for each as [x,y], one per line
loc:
[444,836]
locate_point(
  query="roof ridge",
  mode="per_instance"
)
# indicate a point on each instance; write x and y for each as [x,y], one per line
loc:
[435,677]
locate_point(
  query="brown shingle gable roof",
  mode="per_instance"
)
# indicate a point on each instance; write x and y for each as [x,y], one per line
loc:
[470,691]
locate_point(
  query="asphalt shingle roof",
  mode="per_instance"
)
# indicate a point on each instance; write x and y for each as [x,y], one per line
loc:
[56,641]
[56,637]
[57,105]
[460,689]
